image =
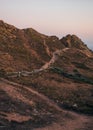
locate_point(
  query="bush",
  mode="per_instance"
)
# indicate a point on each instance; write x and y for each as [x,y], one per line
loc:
[2,73]
[77,76]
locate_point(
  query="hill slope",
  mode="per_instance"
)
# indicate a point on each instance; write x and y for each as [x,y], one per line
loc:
[56,74]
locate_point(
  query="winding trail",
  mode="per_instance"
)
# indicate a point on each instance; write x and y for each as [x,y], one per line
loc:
[47,65]
[47,48]
[11,90]
[54,58]
[79,122]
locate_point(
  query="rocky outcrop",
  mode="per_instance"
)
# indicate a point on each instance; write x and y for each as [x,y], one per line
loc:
[73,41]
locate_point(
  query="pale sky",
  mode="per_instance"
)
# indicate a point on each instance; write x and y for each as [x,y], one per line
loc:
[51,17]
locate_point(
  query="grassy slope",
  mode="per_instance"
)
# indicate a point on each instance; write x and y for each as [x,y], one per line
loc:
[25,50]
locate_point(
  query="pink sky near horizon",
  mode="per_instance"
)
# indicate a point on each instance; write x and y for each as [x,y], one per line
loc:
[51,17]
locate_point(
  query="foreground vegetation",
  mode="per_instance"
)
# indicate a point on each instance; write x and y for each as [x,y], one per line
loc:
[73,92]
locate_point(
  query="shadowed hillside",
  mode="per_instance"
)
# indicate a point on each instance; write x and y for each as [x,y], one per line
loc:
[43,79]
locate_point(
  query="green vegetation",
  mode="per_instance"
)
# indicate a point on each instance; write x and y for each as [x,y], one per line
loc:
[78,97]
[77,76]
[2,73]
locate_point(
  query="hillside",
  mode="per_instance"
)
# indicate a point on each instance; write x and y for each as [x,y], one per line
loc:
[42,77]
[23,48]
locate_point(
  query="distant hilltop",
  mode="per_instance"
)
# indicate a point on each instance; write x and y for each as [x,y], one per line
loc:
[27,49]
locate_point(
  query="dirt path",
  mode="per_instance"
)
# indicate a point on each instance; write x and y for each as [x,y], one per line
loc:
[77,122]
[14,94]
[54,58]
[47,48]
[80,122]
[11,91]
